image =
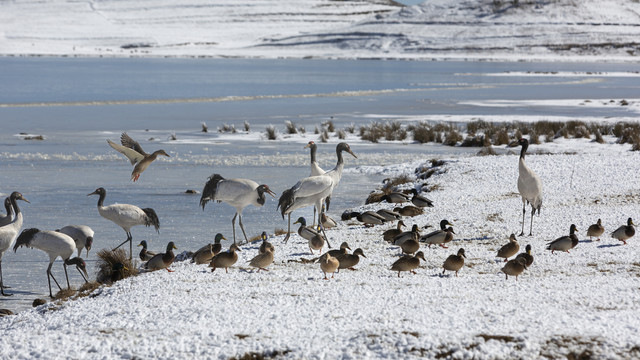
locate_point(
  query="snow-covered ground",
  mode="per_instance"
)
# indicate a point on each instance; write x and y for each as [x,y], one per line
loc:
[566,304]
[568,30]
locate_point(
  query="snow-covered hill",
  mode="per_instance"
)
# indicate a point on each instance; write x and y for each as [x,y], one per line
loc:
[478,29]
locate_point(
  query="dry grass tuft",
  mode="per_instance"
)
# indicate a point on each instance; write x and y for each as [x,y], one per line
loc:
[109,266]
[64,294]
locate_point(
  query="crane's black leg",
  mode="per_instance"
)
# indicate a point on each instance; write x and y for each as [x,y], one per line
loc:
[129,237]
[66,275]
[533,211]
[85,279]
[2,287]
[524,210]
[233,225]
[286,238]
[49,274]
[322,228]
[242,228]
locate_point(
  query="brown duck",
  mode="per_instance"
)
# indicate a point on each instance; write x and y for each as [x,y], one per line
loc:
[509,249]
[329,265]
[162,260]
[348,261]
[225,259]
[207,252]
[514,267]
[408,263]
[454,262]
[138,157]
[392,233]
[595,230]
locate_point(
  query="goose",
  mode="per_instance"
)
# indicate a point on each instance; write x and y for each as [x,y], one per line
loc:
[266,245]
[624,233]
[225,259]
[395,197]
[348,261]
[145,255]
[564,243]
[440,237]
[9,232]
[262,260]
[54,244]
[315,169]
[390,234]
[529,185]
[162,260]
[389,215]
[370,218]
[420,201]
[238,193]
[329,265]
[138,157]
[528,258]
[510,249]
[81,234]
[312,190]
[595,230]
[207,252]
[406,235]
[454,262]
[126,216]
[514,267]
[408,263]
[409,210]
[6,219]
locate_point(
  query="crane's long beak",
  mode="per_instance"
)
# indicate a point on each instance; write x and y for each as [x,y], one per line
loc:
[306,146]
[513,143]
[351,152]
[271,192]
[25,199]
[93,193]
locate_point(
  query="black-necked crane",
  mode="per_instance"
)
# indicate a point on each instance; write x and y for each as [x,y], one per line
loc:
[315,169]
[54,244]
[138,157]
[126,216]
[6,219]
[9,232]
[81,234]
[238,193]
[313,190]
[529,185]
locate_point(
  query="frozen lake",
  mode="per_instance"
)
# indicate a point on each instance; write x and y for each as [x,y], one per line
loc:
[78,103]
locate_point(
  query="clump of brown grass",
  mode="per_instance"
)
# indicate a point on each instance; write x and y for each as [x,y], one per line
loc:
[64,294]
[272,134]
[279,231]
[110,262]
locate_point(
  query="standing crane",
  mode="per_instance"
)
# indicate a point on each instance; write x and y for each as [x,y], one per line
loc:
[238,193]
[529,185]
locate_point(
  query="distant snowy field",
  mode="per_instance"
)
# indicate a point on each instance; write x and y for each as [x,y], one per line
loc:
[566,304]
[590,30]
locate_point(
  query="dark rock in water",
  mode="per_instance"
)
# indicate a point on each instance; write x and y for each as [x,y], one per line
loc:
[191,191]
[5,312]
[38,302]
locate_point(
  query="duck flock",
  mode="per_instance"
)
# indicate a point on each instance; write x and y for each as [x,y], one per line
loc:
[315,190]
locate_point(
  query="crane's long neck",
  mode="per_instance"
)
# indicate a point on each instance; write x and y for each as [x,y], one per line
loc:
[8,207]
[313,153]
[17,219]
[101,199]
[523,151]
